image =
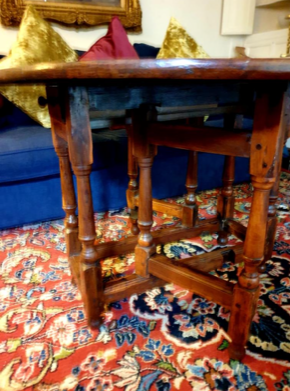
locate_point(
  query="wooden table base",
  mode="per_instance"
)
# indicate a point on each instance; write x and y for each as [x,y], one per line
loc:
[140,87]
[156,270]
[188,273]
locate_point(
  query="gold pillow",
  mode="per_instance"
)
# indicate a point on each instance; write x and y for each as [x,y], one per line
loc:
[36,42]
[178,44]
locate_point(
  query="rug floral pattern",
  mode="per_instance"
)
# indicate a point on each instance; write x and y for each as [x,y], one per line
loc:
[164,339]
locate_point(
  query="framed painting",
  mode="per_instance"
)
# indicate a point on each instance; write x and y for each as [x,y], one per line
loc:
[81,12]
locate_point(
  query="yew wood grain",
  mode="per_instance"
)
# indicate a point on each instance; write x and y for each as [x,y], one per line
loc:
[226,200]
[122,288]
[265,150]
[191,179]
[140,85]
[264,153]
[81,156]
[165,207]
[125,287]
[186,69]
[190,209]
[215,259]
[206,285]
[235,228]
[58,130]
[160,236]
[132,191]
[223,142]
[280,125]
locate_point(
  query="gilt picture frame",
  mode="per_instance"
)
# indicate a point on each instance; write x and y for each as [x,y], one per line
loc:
[80,12]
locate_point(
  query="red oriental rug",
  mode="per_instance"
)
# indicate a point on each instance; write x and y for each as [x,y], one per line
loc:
[164,339]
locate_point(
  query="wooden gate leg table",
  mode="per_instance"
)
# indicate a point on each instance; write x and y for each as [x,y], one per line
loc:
[241,298]
[140,85]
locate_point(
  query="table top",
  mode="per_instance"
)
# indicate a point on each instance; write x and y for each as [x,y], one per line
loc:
[173,69]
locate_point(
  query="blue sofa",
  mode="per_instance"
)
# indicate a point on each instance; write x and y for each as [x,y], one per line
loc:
[29,171]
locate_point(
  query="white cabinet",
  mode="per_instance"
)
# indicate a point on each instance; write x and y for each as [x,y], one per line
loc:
[238,17]
[271,44]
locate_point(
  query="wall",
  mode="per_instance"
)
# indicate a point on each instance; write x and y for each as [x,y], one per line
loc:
[271,18]
[201,18]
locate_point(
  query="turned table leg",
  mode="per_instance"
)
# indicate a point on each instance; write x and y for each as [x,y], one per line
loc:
[271,225]
[226,200]
[69,203]
[132,190]
[246,291]
[58,129]
[272,213]
[145,246]
[265,150]
[145,154]
[190,210]
[81,154]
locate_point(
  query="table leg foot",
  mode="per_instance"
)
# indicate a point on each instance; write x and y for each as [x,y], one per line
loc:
[243,308]
[81,156]
[271,225]
[92,292]
[142,255]
[246,291]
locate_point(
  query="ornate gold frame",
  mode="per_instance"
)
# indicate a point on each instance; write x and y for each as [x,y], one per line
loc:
[288,43]
[129,12]
[288,40]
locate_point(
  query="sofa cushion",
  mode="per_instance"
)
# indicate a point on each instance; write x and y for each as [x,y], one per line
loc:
[27,152]
[12,116]
[36,42]
[40,199]
[29,166]
[114,44]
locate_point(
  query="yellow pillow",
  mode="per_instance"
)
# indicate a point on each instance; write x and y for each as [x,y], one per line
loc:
[36,42]
[178,44]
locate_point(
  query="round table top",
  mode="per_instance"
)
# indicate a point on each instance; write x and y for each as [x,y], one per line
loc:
[174,69]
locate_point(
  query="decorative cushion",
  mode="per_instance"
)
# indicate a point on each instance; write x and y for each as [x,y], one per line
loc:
[36,42]
[146,51]
[114,45]
[178,44]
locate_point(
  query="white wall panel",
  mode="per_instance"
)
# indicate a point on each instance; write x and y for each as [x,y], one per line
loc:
[270,44]
[238,17]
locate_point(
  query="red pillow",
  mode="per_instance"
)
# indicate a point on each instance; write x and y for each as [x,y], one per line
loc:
[114,44]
